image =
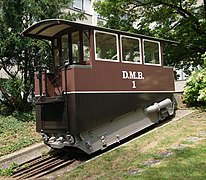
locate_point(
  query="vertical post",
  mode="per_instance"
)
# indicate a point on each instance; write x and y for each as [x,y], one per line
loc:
[81,50]
[70,48]
[43,83]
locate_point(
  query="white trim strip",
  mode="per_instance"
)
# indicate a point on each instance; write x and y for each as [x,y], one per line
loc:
[112,92]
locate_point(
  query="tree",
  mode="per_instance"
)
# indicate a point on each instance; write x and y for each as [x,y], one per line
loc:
[19,55]
[195,91]
[180,20]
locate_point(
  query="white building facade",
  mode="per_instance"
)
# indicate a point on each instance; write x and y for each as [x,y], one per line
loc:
[86,6]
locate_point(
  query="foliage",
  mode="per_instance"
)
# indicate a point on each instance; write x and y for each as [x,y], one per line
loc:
[195,90]
[8,171]
[11,97]
[16,132]
[182,21]
[19,55]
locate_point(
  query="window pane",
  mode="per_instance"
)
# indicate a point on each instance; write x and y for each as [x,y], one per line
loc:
[75,47]
[78,4]
[87,6]
[130,50]
[86,46]
[151,52]
[56,53]
[65,49]
[106,46]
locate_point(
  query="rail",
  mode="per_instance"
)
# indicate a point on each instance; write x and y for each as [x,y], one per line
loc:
[42,166]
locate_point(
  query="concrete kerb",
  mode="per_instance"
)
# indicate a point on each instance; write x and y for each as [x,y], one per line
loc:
[23,155]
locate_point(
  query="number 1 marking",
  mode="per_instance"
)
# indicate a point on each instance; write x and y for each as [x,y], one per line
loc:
[134,85]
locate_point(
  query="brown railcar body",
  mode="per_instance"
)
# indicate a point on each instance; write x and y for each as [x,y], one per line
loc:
[93,104]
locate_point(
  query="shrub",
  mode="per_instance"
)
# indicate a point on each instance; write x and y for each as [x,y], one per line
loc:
[14,95]
[195,90]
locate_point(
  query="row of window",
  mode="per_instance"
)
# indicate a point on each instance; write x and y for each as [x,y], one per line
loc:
[106,49]
[72,48]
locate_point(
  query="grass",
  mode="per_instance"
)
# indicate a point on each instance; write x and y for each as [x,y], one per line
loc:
[132,161]
[17,132]
[8,171]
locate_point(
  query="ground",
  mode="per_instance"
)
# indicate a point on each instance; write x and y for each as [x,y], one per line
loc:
[175,151]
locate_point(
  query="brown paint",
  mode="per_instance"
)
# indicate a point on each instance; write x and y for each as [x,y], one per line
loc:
[107,76]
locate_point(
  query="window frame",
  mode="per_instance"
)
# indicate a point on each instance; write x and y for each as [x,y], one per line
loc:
[84,6]
[79,8]
[117,46]
[159,47]
[140,50]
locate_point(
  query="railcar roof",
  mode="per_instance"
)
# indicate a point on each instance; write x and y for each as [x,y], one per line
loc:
[50,28]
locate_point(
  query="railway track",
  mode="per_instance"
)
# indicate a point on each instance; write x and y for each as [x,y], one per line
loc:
[41,166]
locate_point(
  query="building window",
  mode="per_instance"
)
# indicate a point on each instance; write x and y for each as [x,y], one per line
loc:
[152,52]
[87,6]
[83,5]
[106,46]
[78,4]
[131,52]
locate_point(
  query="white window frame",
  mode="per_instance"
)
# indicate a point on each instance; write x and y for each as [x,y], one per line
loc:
[83,6]
[100,59]
[140,50]
[160,57]
[76,7]
[89,6]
